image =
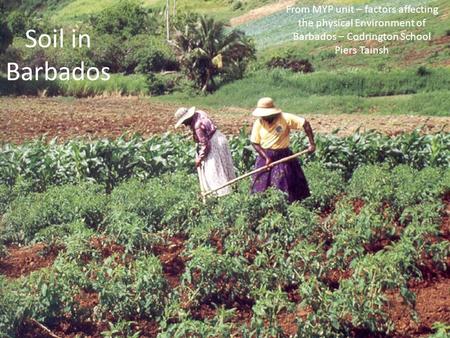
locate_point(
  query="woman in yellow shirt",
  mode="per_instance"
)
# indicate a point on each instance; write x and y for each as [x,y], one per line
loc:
[270,138]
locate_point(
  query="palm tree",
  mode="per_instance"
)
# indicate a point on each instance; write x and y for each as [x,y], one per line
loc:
[205,49]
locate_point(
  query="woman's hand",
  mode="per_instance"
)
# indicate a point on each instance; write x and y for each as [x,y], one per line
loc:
[311,148]
[198,162]
[268,160]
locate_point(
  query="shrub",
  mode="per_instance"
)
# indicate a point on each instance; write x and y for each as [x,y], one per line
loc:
[296,65]
[149,54]
[125,19]
[423,71]
[156,85]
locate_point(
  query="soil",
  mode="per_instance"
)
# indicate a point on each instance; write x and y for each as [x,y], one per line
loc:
[20,261]
[261,12]
[432,305]
[172,260]
[358,204]
[26,118]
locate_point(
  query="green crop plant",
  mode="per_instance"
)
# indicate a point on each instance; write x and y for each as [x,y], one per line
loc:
[307,258]
[122,328]
[325,186]
[334,257]
[214,277]
[59,205]
[136,289]
[267,306]
[323,320]
[372,183]
[109,162]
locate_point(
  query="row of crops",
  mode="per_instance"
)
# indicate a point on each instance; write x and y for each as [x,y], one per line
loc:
[109,162]
[134,234]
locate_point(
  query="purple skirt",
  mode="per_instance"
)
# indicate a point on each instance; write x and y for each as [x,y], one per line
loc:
[287,176]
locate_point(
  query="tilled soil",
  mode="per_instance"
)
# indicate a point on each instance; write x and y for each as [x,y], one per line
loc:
[20,261]
[432,293]
[26,118]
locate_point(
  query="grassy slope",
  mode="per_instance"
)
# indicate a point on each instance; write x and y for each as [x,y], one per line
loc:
[274,34]
[76,10]
[433,104]
[272,37]
[290,94]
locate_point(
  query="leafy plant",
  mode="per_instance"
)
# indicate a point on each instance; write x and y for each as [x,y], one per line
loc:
[138,289]
[206,49]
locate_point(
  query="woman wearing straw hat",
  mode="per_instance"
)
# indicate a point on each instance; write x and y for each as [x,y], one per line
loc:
[270,138]
[214,163]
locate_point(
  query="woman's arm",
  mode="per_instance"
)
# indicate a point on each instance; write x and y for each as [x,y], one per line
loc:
[262,153]
[204,146]
[308,130]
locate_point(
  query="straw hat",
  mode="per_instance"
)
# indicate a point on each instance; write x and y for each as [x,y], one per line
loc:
[265,107]
[182,114]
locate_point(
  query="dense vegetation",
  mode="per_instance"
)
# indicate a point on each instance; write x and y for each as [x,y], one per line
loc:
[38,165]
[129,38]
[242,253]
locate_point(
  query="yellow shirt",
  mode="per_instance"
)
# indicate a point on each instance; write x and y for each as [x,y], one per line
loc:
[275,135]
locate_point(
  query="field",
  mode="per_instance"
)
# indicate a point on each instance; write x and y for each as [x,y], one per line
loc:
[110,238]
[27,118]
[103,232]
[275,31]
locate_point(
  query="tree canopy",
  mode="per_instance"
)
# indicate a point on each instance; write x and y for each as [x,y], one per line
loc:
[205,49]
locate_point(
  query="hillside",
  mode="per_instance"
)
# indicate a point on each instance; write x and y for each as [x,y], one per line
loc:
[72,11]
[273,35]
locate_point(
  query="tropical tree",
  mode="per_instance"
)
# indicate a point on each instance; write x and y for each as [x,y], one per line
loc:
[205,49]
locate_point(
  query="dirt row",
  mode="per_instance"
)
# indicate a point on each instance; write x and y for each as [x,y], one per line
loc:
[25,118]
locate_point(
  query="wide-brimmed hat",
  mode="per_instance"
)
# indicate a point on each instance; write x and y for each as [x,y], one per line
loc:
[265,107]
[182,114]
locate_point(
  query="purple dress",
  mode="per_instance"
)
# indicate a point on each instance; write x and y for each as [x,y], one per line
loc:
[287,176]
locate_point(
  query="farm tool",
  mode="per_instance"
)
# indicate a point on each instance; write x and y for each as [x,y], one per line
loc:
[256,171]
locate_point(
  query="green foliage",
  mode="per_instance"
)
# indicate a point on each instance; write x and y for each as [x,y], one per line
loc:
[219,326]
[125,19]
[324,184]
[108,162]
[11,313]
[372,183]
[59,205]
[149,54]
[253,249]
[205,49]
[138,289]
[442,329]
[211,277]
[6,36]
[268,305]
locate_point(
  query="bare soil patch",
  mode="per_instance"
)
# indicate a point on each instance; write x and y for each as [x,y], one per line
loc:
[261,12]
[27,118]
[432,305]
[20,261]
